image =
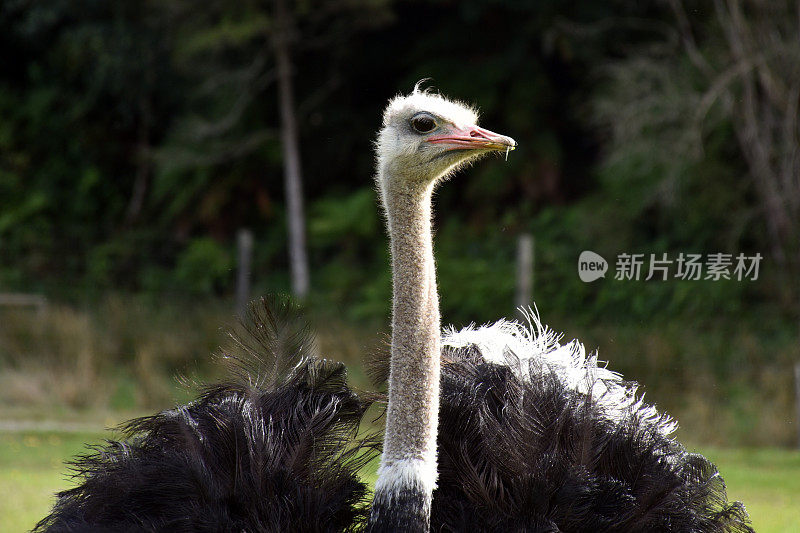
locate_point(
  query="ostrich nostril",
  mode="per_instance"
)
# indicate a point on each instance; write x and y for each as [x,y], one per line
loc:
[475,134]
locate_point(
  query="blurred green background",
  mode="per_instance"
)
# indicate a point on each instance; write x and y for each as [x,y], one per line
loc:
[138,138]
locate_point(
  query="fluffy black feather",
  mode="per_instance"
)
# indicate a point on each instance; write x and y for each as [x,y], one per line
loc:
[407,511]
[274,449]
[532,455]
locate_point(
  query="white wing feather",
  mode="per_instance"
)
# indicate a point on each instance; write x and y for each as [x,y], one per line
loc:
[535,347]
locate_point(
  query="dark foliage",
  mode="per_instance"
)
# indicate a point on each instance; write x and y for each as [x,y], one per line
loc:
[273,451]
[532,455]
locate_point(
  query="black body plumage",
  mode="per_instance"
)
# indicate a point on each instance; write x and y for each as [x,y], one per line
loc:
[273,450]
[527,453]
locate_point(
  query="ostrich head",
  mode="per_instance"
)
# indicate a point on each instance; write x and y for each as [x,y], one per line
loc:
[426,137]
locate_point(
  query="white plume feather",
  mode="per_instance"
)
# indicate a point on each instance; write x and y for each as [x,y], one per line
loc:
[535,347]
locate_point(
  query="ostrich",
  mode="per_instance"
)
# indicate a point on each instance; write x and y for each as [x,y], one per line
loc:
[532,435]
[493,428]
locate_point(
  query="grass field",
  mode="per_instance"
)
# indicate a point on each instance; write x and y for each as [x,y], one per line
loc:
[31,470]
[767,481]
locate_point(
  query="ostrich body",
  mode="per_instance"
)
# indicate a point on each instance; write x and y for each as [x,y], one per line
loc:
[496,428]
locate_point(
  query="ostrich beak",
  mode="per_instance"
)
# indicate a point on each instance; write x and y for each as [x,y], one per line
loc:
[475,138]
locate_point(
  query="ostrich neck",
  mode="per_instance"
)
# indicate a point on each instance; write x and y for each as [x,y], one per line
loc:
[414,377]
[407,475]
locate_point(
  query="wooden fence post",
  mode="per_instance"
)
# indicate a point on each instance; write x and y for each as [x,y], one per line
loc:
[525,265]
[797,398]
[244,245]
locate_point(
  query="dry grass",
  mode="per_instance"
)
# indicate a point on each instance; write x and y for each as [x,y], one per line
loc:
[726,387]
[125,353]
[120,354]
[53,359]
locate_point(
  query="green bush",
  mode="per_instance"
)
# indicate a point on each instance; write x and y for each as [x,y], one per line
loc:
[204,266]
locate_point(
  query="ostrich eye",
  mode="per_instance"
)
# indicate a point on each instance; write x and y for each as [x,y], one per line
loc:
[423,123]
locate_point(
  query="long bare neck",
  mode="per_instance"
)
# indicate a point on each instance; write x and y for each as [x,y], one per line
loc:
[407,475]
[414,379]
